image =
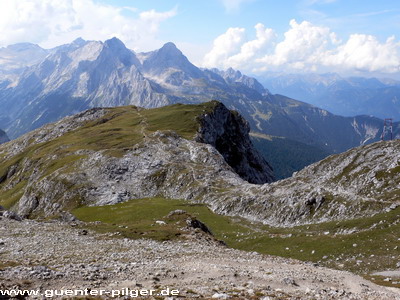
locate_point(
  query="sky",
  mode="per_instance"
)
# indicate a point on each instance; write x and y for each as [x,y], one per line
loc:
[350,37]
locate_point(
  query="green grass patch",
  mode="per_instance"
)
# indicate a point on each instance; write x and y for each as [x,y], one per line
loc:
[8,264]
[363,245]
[136,218]
[11,196]
[382,280]
[181,118]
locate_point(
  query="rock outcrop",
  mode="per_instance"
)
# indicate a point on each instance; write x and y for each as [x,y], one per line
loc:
[229,133]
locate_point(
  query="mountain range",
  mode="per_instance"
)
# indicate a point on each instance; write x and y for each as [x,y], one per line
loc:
[85,74]
[343,96]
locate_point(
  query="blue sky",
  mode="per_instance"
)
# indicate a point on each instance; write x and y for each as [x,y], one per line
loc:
[351,37]
[209,18]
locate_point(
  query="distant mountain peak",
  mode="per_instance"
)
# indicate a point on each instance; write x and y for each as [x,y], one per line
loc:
[169,56]
[170,51]
[169,46]
[116,49]
[23,47]
[115,43]
[233,74]
[79,41]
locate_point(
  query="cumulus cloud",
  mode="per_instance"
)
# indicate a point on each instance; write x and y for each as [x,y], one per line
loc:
[365,53]
[304,47]
[251,49]
[225,46]
[232,49]
[53,22]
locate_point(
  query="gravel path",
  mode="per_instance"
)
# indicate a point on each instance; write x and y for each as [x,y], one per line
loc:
[53,255]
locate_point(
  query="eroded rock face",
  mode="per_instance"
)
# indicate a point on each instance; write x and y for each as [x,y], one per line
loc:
[228,132]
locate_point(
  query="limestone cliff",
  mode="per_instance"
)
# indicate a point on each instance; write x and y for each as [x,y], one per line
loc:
[228,132]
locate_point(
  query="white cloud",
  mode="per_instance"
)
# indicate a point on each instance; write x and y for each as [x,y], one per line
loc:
[250,49]
[53,22]
[154,18]
[304,44]
[366,54]
[304,47]
[224,46]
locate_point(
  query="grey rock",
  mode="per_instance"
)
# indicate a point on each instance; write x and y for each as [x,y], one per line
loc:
[176,212]
[289,281]
[194,223]
[11,215]
[229,134]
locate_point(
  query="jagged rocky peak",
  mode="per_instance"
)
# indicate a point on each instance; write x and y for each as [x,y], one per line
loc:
[79,41]
[115,44]
[170,48]
[115,49]
[228,132]
[235,76]
[21,55]
[3,137]
[169,57]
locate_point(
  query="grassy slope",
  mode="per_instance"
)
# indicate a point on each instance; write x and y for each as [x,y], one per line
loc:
[371,247]
[115,133]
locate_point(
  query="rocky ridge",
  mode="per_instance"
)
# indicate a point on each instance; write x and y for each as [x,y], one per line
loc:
[174,165]
[159,162]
